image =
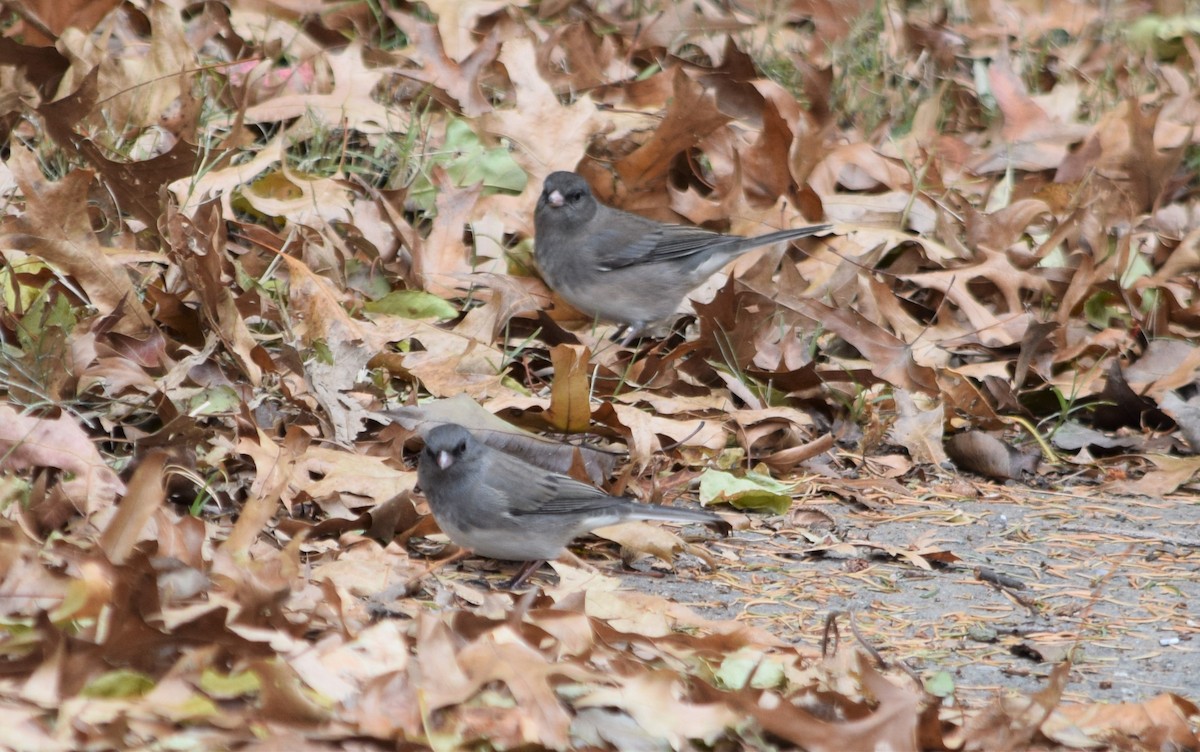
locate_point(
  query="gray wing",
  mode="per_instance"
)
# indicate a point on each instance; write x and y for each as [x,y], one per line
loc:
[526,490]
[663,243]
[643,241]
[532,490]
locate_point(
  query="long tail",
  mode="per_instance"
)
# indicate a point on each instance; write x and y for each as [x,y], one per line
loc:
[777,236]
[679,514]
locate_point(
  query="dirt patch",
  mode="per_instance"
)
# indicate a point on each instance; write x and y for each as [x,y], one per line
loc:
[1110,581]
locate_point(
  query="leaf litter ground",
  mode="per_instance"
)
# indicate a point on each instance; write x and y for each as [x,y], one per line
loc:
[253,249]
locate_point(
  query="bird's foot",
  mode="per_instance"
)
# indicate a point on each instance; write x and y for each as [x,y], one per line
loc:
[628,334]
[519,580]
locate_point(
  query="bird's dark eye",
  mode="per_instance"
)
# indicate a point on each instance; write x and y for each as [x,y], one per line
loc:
[460,447]
[574,196]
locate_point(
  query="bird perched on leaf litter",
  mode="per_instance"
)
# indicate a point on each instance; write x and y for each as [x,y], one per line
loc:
[622,267]
[502,507]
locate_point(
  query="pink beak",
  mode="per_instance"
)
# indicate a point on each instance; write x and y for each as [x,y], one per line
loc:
[445,460]
[556,199]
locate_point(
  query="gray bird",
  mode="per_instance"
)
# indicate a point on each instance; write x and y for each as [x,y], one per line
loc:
[502,507]
[622,267]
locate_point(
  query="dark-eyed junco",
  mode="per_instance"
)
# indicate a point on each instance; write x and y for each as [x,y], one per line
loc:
[502,507]
[622,267]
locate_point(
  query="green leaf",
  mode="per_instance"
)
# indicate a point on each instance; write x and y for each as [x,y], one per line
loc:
[474,163]
[195,708]
[412,304]
[120,683]
[217,400]
[1139,266]
[751,491]
[1100,313]
[229,686]
[367,278]
[747,666]
[940,684]
[15,295]
[74,600]
[322,352]
[469,162]
[487,167]
[45,313]
[1161,35]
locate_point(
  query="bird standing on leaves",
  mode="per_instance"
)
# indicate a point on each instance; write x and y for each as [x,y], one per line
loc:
[624,268]
[502,507]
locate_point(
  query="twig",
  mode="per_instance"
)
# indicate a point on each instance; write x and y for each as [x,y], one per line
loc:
[871,650]
[1000,580]
[1148,537]
[830,635]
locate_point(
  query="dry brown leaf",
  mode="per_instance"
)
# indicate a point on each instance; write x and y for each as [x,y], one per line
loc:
[458,78]
[654,540]
[570,394]
[918,428]
[1160,722]
[56,228]
[145,496]
[348,103]
[59,443]
[1053,281]
[538,111]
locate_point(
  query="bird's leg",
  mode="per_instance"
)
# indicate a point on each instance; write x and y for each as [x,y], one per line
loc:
[629,334]
[529,568]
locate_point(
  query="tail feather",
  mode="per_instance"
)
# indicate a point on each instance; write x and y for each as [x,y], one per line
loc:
[798,232]
[737,245]
[680,514]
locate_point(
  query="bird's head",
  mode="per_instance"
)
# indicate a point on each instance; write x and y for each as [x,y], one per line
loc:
[566,200]
[446,445]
